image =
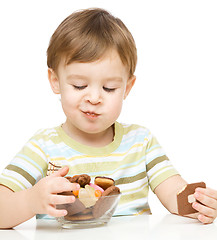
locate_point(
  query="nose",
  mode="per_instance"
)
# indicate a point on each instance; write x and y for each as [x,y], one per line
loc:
[94,96]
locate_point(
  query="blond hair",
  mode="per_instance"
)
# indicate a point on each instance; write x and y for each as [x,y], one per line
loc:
[86,35]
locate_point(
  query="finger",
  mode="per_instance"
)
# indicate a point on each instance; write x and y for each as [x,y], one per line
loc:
[52,211]
[63,186]
[206,200]
[207,211]
[60,199]
[207,191]
[61,172]
[205,219]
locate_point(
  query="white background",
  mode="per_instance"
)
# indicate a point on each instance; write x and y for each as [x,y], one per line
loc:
[175,93]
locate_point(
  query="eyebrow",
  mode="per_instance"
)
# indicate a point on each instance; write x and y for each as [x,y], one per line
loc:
[83,77]
[71,76]
[119,79]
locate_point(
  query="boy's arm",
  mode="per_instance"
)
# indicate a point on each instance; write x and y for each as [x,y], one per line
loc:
[167,192]
[18,207]
[207,209]
[14,207]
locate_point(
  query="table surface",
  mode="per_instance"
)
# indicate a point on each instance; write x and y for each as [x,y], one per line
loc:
[131,227]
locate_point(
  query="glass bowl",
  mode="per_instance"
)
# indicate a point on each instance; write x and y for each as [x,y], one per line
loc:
[88,213]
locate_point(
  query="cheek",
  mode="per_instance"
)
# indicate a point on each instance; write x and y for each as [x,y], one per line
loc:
[115,105]
[68,101]
[65,100]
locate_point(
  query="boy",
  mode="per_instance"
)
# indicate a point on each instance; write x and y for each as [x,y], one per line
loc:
[91,62]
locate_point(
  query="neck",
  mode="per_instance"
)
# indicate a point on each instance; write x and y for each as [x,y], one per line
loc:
[90,139]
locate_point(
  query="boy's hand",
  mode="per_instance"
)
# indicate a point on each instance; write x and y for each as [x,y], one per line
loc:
[43,196]
[208,211]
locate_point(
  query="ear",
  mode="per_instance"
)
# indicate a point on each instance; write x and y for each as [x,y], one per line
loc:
[130,83]
[54,81]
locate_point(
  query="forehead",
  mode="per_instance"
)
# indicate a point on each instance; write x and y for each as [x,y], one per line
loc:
[109,64]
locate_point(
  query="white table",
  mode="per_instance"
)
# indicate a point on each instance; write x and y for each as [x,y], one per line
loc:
[139,227]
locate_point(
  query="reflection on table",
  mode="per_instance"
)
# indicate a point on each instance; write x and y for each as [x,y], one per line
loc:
[132,227]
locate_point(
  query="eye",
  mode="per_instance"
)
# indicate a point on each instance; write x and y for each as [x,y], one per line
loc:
[109,89]
[79,87]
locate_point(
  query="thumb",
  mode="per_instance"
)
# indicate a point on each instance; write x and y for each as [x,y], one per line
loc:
[61,172]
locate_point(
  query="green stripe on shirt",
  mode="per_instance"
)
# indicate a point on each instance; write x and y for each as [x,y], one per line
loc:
[22,172]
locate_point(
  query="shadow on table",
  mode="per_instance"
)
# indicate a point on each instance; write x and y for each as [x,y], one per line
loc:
[12,234]
[114,230]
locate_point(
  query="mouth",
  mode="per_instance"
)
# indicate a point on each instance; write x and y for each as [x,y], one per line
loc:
[91,115]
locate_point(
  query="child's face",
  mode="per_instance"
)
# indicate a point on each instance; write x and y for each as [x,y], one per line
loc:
[92,93]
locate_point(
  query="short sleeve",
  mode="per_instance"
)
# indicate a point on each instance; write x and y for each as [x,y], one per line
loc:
[26,168]
[158,165]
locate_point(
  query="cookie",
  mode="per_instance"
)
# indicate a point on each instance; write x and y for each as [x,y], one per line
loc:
[87,211]
[75,207]
[72,208]
[82,179]
[112,190]
[79,217]
[104,182]
[185,198]
[105,202]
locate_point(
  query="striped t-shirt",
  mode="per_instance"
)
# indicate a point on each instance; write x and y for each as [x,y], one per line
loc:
[134,159]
